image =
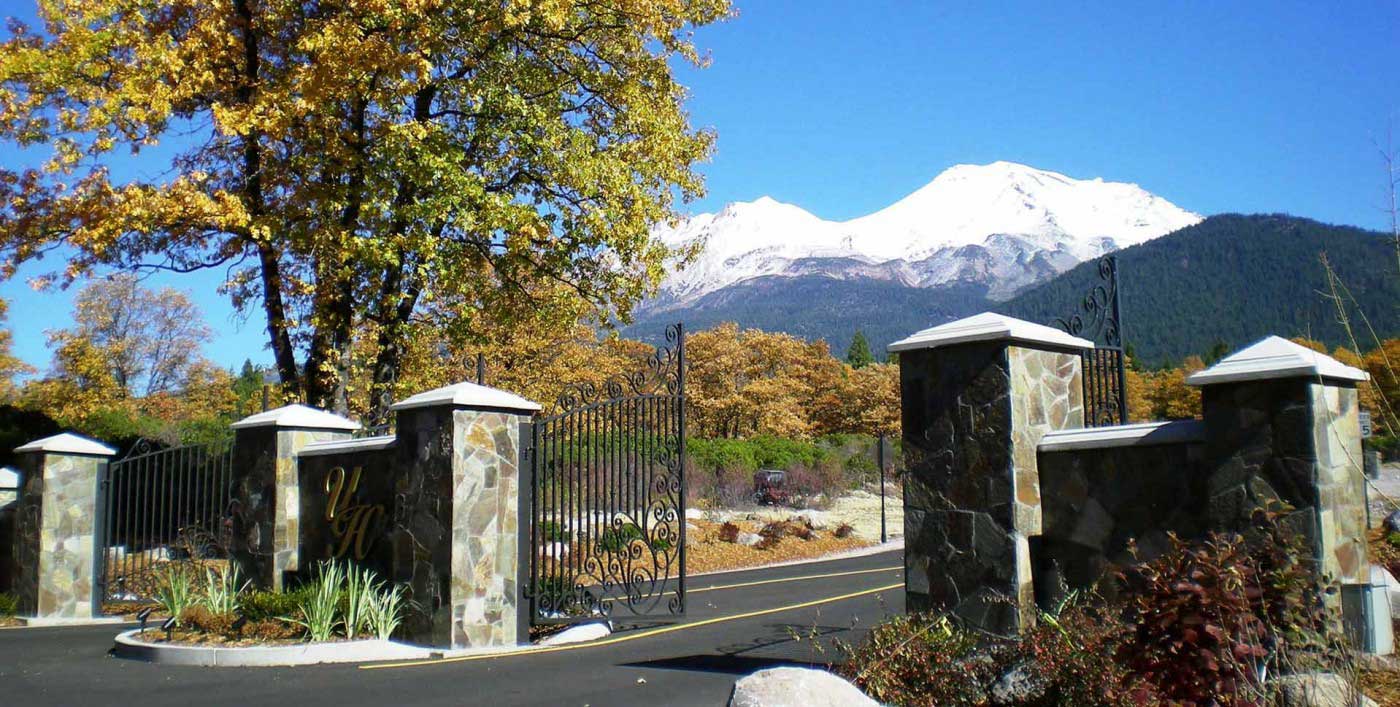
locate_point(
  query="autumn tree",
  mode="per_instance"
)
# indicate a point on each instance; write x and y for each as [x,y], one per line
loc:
[356,165]
[10,365]
[149,338]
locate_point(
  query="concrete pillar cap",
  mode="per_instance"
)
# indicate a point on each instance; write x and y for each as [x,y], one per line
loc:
[469,395]
[297,415]
[67,443]
[989,326]
[1276,357]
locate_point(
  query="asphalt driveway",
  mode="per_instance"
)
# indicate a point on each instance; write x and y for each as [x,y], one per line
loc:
[738,622]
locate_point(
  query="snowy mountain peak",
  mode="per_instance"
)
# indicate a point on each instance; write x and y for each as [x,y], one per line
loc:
[1005,225]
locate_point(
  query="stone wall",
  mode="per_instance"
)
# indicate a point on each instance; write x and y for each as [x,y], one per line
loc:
[436,510]
[1098,501]
[264,502]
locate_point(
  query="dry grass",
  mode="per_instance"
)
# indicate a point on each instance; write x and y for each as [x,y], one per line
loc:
[1383,686]
[710,553]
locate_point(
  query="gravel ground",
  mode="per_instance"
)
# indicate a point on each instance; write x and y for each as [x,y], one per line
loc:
[1384,493]
[860,509]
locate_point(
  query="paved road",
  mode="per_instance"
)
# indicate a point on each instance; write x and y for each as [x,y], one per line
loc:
[695,664]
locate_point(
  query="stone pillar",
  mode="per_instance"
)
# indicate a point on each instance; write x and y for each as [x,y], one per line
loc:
[1282,425]
[977,395]
[264,503]
[456,518]
[57,525]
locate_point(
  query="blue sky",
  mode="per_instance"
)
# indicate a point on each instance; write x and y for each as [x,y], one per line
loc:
[844,107]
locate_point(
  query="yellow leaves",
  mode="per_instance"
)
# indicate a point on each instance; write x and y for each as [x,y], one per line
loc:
[755,382]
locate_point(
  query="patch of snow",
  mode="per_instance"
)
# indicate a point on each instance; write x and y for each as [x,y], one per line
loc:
[581,633]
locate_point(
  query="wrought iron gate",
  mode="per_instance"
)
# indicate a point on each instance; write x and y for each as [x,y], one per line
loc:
[1105,377]
[607,519]
[161,505]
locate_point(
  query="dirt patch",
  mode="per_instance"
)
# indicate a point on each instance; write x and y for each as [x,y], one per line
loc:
[185,637]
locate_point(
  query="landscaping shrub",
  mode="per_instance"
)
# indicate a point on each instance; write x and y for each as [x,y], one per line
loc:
[617,539]
[320,609]
[222,590]
[1202,624]
[771,534]
[920,660]
[263,605]
[729,532]
[9,605]
[1210,618]
[844,530]
[554,532]
[201,618]
[175,590]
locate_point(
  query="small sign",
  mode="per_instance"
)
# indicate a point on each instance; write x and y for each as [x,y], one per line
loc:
[1365,425]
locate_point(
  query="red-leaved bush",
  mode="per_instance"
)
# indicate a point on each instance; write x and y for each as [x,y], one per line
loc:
[1210,618]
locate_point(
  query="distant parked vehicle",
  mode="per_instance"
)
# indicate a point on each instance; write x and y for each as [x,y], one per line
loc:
[770,487]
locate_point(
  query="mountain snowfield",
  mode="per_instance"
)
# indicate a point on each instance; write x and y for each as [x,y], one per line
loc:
[1001,225]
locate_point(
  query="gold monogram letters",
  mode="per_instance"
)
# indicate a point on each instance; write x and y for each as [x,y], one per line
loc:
[351,526]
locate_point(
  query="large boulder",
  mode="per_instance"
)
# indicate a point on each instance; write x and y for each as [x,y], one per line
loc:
[797,687]
[1392,522]
[1318,690]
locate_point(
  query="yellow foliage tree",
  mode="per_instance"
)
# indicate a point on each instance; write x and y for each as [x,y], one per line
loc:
[356,163]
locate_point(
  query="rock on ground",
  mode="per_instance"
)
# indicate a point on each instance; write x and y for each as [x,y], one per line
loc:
[1019,685]
[797,687]
[1317,690]
[749,539]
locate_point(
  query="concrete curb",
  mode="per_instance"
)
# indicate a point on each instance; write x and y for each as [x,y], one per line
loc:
[33,622]
[129,645]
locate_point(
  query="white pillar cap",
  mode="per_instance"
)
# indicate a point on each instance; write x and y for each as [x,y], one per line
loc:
[68,443]
[468,395]
[297,415]
[1276,357]
[989,326]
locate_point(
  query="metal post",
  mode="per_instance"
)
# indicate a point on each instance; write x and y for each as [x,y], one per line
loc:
[880,457]
[1122,354]
[680,454]
[480,368]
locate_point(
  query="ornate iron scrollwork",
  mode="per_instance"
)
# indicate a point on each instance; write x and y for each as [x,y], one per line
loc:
[608,520]
[1098,318]
[660,374]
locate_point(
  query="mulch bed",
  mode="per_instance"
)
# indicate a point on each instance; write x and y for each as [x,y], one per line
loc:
[709,553]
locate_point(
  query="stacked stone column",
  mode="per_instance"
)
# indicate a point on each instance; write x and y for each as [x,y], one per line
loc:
[456,518]
[57,525]
[978,394]
[264,504]
[1282,427]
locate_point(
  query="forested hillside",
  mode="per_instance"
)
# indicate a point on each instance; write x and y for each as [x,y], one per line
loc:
[1234,279]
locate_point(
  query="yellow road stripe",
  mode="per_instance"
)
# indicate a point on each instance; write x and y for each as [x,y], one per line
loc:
[635,636]
[792,579]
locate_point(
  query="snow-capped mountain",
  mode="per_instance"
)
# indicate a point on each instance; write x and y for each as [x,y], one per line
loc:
[1002,225]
